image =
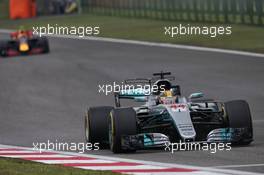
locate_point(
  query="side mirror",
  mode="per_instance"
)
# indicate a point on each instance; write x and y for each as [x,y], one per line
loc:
[140,99]
[196,95]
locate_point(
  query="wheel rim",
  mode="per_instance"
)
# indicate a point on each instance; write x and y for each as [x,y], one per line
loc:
[3,52]
[87,128]
[111,132]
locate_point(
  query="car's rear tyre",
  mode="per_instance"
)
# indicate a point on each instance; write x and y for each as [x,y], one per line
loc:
[96,125]
[3,49]
[122,122]
[44,44]
[239,116]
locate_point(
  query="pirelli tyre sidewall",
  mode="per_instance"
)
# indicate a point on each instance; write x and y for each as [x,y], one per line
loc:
[239,116]
[40,42]
[45,45]
[3,49]
[96,125]
[122,122]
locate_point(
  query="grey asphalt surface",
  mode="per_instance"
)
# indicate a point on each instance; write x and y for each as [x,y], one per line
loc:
[44,97]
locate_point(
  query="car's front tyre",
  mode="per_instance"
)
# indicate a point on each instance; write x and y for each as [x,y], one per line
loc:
[122,122]
[96,125]
[239,116]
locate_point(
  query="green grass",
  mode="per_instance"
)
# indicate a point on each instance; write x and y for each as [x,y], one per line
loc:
[10,166]
[246,38]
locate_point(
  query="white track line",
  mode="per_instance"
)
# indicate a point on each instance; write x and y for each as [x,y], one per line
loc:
[14,152]
[137,167]
[237,166]
[201,170]
[180,173]
[146,43]
[27,156]
[73,161]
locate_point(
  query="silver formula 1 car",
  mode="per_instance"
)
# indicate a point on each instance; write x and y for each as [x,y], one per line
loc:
[166,116]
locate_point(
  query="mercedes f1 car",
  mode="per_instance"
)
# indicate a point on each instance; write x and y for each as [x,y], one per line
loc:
[165,117]
[23,43]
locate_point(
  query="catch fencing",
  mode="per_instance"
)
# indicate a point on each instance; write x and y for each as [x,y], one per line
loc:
[216,11]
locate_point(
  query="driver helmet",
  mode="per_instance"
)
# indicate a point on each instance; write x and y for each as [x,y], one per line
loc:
[167,93]
[168,96]
[21,29]
[172,92]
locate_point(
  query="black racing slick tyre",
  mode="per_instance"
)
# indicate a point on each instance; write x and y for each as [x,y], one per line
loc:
[122,122]
[44,44]
[239,116]
[96,125]
[3,49]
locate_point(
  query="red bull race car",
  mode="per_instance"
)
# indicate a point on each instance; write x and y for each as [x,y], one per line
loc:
[23,42]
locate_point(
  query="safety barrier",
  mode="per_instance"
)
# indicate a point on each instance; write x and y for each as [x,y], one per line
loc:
[218,11]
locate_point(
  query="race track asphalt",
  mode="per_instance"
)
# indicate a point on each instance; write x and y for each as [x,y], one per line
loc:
[44,97]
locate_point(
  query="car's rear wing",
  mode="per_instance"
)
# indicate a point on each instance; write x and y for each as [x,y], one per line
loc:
[138,81]
[137,94]
[149,81]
